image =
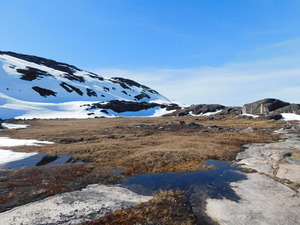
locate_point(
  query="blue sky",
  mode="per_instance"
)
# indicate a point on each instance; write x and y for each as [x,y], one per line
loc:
[194,51]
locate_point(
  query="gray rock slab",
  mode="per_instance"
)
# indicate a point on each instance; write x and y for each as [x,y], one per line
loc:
[289,171]
[267,157]
[263,201]
[73,207]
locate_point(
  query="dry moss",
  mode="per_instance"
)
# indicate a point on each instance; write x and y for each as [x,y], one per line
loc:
[27,185]
[166,208]
[140,145]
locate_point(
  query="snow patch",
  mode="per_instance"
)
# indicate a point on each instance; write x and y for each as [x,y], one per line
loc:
[15,126]
[161,112]
[206,114]
[10,142]
[290,116]
[61,95]
[211,113]
[250,115]
[7,156]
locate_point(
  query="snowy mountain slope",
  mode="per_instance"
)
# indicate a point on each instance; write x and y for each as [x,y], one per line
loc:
[34,87]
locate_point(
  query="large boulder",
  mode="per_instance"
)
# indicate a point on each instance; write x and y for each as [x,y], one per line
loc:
[292,108]
[265,106]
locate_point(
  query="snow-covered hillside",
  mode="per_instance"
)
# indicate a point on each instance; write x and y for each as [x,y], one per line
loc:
[35,87]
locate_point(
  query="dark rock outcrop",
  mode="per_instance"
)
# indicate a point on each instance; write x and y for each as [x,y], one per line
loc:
[69,88]
[43,91]
[271,106]
[31,74]
[69,69]
[141,96]
[292,108]
[127,83]
[91,92]
[210,108]
[47,159]
[273,117]
[129,106]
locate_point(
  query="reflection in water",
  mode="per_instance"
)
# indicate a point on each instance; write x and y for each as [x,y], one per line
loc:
[39,160]
[213,183]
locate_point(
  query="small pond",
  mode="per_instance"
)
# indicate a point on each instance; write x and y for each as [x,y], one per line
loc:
[214,183]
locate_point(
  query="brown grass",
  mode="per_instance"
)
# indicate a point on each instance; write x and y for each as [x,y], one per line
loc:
[27,185]
[160,145]
[166,208]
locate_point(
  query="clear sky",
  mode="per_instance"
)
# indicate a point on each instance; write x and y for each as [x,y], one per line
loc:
[194,51]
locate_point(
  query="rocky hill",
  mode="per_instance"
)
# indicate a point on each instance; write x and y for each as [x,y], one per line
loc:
[35,87]
[271,106]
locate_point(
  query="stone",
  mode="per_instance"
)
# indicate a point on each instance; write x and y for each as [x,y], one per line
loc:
[67,141]
[267,157]
[251,128]
[292,108]
[196,125]
[265,106]
[274,117]
[289,171]
[73,207]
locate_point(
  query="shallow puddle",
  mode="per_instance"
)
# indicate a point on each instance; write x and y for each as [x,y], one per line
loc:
[214,183]
[39,160]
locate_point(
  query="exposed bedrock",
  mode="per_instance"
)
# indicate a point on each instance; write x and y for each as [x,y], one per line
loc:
[270,194]
[271,106]
[74,207]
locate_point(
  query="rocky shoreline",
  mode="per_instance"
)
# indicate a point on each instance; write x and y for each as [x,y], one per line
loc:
[270,194]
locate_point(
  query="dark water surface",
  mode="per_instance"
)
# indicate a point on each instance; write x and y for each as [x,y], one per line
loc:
[39,160]
[214,183]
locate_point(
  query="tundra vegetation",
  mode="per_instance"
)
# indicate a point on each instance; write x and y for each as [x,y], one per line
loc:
[147,145]
[134,145]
